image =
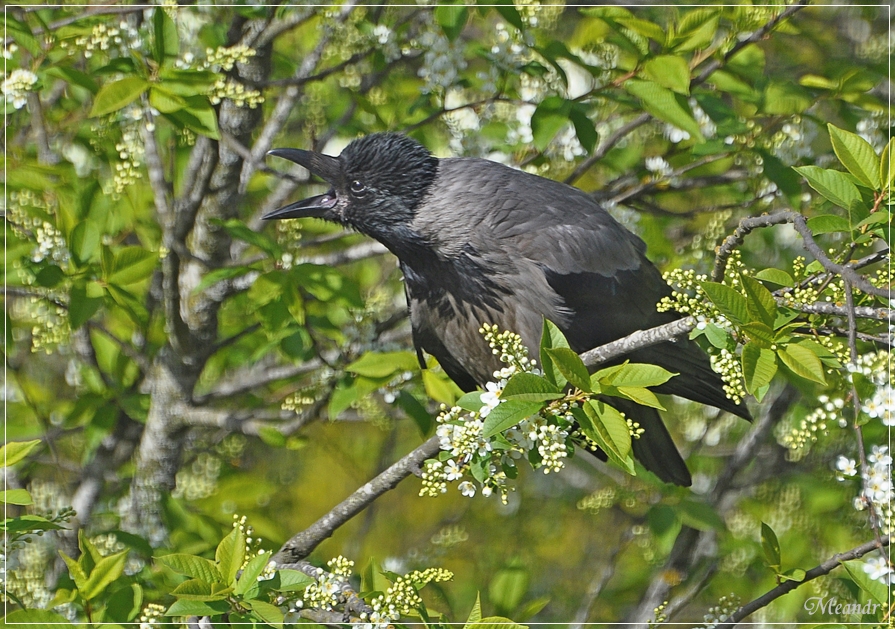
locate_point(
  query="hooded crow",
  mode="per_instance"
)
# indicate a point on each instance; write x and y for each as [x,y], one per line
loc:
[479,242]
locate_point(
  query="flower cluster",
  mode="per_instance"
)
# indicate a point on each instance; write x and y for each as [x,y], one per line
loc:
[17,85]
[877,488]
[443,61]
[686,296]
[402,597]
[728,366]
[544,438]
[235,91]
[879,569]
[130,151]
[121,39]
[252,543]
[798,437]
[325,593]
[722,611]
[874,367]
[223,59]
[153,614]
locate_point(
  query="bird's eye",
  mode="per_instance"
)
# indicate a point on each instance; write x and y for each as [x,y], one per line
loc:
[358,189]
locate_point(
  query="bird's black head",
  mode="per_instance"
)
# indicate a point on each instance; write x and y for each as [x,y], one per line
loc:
[377,183]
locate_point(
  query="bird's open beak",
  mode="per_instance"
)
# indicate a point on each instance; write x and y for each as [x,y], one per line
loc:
[325,167]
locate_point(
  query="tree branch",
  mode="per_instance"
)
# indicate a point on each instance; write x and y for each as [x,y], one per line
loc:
[800,223]
[788,586]
[302,544]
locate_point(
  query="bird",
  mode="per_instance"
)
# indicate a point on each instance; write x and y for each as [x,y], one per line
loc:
[480,242]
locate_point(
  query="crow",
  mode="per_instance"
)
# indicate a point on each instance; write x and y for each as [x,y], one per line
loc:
[479,242]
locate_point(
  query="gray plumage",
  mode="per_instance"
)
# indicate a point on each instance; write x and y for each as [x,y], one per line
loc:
[479,242]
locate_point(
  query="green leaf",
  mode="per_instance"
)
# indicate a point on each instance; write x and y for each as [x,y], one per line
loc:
[269,614]
[14,451]
[802,362]
[786,99]
[661,103]
[794,574]
[74,77]
[383,364]
[833,185]
[84,241]
[471,401]
[551,115]
[571,366]
[644,27]
[124,604]
[760,333]
[80,306]
[251,572]
[634,375]
[230,554]
[730,302]
[699,515]
[132,264]
[507,414]
[118,94]
[642,396]
[106,572]
[775,276]
[192,566]
[887,166]
[552,337]
[828,223]
[165,41]
[199,590]
[198,608]
[508,11]
[876,590]
[610,428]
[292,580]
[49,276]
[416,411]
[15,497]
[165,101]
[440,388]
[585,128]
[669,71]
[718,337]
[759,301]
[497,622]
[759,366]
[33,619]
[75,571]
[770,546]
[507,588]
[198,116]
[217,275]
[26,523]
[528,387]
[696,29]
[451,18]
[856,155]
[238,229]
[786,179]
[475,614]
